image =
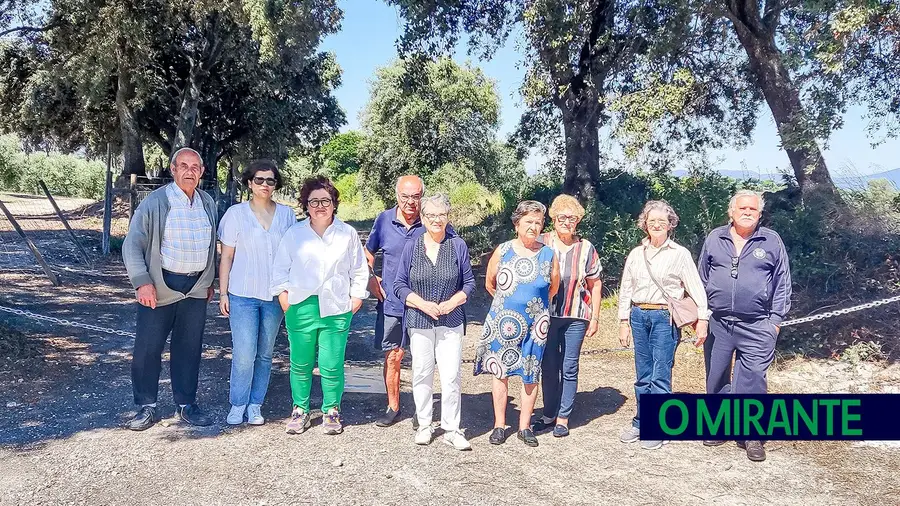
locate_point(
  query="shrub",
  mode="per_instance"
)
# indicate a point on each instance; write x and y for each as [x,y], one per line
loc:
[65,175]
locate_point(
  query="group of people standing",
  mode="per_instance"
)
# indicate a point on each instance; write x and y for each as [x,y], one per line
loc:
[314,275]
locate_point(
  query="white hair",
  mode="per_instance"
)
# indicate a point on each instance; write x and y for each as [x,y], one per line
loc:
[397,184]
[438,199]
[732,204]
[185,150]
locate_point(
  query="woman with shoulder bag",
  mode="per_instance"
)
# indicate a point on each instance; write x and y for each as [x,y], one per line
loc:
[659,292]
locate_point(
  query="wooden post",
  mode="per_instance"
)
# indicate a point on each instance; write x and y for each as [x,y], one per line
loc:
[65,222]
[37,254]
[107,204]
[132,196]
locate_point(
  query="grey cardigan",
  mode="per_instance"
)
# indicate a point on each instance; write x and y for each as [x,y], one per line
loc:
[141,249]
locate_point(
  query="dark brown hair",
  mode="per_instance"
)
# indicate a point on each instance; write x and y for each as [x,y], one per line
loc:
[261,166]
[319,182]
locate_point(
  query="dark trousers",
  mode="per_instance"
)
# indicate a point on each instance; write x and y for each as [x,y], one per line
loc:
[185,320]
[559,367]
[751,344]
[655,340]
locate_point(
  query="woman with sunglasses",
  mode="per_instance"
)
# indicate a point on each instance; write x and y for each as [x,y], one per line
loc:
[250,233]
[644,311]
[320,279]
[574,313]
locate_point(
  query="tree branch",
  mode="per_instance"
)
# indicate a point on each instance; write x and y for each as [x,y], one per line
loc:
[30,29]
[600,20]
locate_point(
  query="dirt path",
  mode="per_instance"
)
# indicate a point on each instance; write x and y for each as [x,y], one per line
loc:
[60,440]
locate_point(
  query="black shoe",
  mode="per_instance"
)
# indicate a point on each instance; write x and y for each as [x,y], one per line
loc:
[713,442]
[527,437]
[389,418]
[498,436]
[540,425]
[145,418]
[560,431]
[755,451]
[193,415]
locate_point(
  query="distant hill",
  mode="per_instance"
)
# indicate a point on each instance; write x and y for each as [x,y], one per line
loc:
[841,180]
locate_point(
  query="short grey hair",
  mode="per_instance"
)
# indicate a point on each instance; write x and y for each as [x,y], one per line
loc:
[397,183]
[438,199]
[657,205]
[732,204]
[185,150]
[527,207]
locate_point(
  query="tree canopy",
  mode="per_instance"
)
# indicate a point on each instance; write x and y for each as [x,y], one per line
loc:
[225,78]
[423,115]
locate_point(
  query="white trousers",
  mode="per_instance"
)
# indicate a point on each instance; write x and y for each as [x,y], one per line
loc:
[444,346]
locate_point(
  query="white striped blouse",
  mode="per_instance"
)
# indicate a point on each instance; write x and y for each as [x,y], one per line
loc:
[674,268]
[254,248]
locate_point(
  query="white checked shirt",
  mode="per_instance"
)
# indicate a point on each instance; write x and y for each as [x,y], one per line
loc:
[254,248]
[186,238]
[674,268]
[333,267]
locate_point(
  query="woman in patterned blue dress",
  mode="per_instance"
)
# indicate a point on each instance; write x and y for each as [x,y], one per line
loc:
[522,276]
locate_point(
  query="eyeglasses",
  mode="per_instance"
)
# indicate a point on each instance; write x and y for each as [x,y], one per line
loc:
[435,217]
[734,266]
[319,203]
[410,198]
[567,219]
[269,181]
[657,222]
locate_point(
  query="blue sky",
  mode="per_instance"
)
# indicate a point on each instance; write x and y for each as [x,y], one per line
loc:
[366,41]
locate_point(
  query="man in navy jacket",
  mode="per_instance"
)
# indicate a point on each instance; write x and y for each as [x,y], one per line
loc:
[745,270]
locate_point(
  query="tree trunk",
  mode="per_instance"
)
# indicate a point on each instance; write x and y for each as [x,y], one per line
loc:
[581,119]
[783,99]
[132,147]
[187,114]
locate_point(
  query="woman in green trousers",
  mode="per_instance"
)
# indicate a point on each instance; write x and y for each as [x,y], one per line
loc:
[320,278]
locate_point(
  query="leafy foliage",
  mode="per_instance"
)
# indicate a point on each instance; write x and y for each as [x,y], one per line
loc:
[65,175]
[233,78]
[423,115]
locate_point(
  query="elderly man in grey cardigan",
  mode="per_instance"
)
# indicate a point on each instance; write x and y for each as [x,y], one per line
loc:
[169,254]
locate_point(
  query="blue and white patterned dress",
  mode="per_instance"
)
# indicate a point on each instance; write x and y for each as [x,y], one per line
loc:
[515,330]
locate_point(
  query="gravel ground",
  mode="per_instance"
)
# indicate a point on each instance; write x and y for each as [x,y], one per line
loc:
[61,441]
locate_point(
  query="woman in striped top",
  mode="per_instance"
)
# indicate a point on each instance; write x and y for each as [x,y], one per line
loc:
[574,313]
[435,280]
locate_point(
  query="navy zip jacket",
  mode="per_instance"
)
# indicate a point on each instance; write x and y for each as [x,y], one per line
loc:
[753,287]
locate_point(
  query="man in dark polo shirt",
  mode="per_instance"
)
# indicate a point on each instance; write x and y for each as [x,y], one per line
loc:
[390,233]
[745,270]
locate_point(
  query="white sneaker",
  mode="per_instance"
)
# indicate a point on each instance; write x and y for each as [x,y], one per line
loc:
[423,435]
[236,415]
[457,440]
[630,434]
[254,417]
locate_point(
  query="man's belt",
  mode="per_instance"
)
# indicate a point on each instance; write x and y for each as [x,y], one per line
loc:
[187,274]
[651,306]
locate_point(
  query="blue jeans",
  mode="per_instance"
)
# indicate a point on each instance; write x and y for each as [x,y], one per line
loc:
[655,340]
[559,367]
[254,326]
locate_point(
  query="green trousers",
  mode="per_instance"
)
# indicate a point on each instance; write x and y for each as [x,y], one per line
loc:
[306,329]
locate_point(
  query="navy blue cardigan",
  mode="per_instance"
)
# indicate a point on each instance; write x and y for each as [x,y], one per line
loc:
[466,277]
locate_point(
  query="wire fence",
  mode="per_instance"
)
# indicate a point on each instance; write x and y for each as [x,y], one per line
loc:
[53,227]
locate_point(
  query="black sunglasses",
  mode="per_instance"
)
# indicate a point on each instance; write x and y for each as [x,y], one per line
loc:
[270,181]
[734,267]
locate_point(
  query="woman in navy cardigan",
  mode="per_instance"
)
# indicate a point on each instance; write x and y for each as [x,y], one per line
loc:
[434,282]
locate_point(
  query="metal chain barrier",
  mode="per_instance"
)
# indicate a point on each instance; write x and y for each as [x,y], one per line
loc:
[372,363]
[838,312]
[68,323]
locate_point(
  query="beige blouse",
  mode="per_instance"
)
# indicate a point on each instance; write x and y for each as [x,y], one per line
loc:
[674,269]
